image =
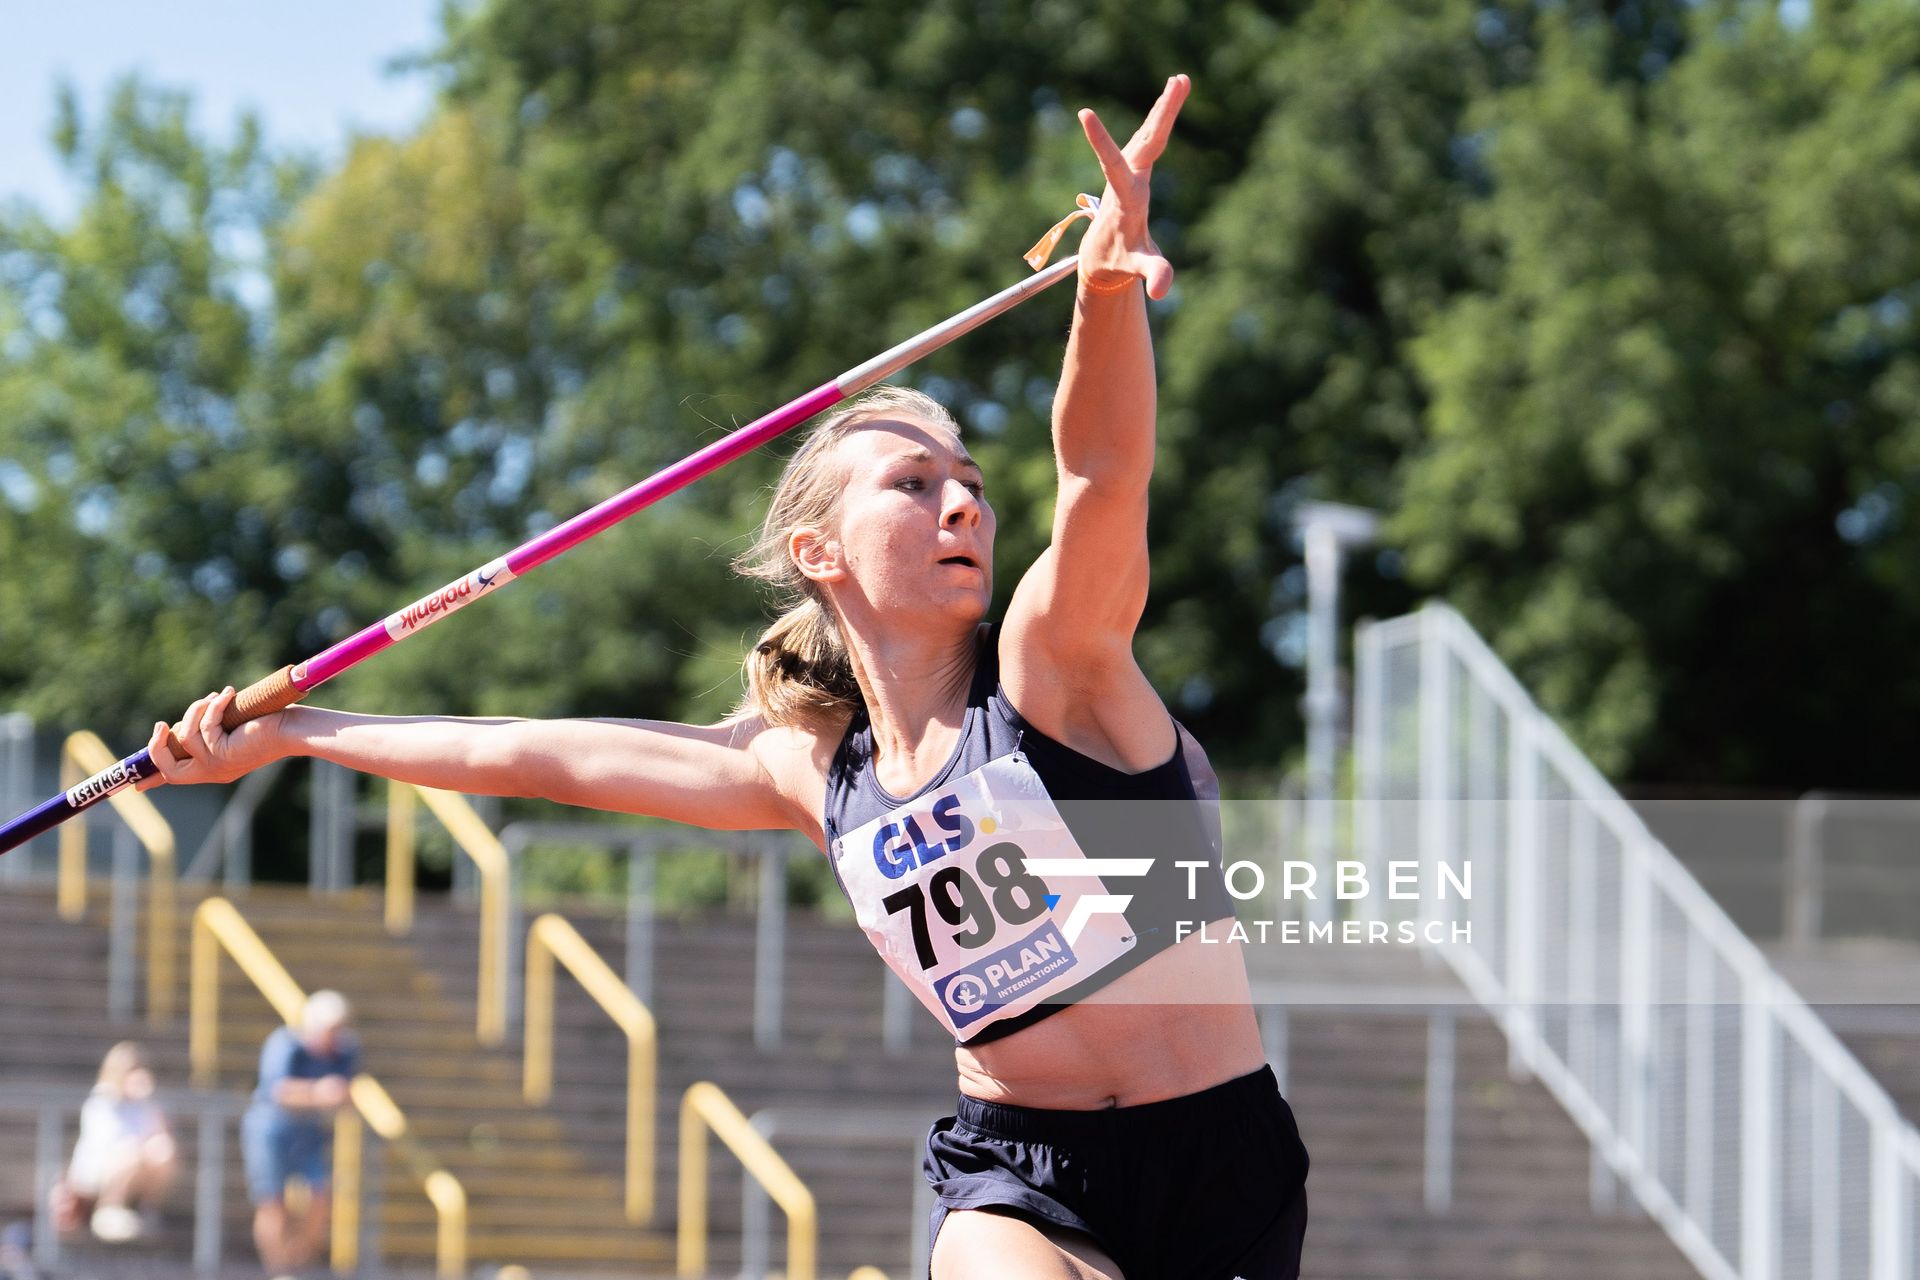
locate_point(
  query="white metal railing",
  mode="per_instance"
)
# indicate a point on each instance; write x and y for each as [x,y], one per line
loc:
[1705,1083]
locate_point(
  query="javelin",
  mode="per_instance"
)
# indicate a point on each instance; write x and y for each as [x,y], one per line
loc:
[290,684]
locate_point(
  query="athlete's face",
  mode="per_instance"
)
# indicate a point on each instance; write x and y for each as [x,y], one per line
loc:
[914,527]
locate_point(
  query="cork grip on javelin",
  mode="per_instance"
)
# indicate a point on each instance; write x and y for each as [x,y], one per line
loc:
[261,698]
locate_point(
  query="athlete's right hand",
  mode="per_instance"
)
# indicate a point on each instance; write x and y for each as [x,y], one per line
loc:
[213,753]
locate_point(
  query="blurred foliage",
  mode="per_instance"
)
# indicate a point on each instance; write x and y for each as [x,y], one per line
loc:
[1672,428]
[1609,306]
[142,508]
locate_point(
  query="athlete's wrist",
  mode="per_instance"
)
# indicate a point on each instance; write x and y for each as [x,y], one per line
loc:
[1107,284]
[290,732]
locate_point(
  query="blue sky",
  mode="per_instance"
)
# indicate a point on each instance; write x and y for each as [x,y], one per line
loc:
[313,72]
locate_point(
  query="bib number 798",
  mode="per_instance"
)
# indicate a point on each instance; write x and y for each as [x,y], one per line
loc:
[1017,897]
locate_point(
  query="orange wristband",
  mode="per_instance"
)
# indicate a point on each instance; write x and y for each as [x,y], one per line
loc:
[1037,256]
[1122,287]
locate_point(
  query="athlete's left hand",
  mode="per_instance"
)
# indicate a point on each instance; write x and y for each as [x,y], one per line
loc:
[1118,245]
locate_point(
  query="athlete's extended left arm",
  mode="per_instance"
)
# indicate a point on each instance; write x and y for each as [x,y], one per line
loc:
[1095,572]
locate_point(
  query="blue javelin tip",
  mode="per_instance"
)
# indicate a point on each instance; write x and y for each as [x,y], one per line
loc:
[1053,900]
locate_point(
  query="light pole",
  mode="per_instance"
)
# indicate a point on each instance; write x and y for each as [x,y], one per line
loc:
[1327,530]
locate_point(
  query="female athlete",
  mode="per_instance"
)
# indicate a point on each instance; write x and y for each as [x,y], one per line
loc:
[1116,1115]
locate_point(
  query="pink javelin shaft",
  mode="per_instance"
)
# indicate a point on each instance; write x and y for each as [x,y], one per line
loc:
[537,551]
[292,683]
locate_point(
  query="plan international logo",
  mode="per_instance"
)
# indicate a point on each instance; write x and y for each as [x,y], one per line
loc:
[1246,880]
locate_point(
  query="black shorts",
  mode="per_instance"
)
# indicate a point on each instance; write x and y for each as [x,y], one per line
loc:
[1210,1186]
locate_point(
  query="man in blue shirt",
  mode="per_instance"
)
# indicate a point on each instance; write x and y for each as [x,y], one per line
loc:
[288,1129]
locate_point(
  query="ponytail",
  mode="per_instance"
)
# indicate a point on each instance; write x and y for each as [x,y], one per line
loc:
[799,673]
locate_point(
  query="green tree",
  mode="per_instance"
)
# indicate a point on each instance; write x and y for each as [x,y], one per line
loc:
[138,501]
[1671,433]
[1608,305]
[627,230]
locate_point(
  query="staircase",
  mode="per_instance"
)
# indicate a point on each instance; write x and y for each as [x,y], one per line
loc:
[54,1030]
[1356,1082]
[1864,988]
[1705,1069]
[545,1184]
[1520,1208]
[535,1196]
[1439,721]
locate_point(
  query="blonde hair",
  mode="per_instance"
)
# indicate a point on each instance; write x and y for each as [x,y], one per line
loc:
[121,1061]
[799,673]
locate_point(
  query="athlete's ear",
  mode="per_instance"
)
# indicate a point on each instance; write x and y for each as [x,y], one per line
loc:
[817,555]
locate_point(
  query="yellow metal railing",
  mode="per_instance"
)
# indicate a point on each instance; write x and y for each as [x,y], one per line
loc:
[217,925]
[81,756]
[470,833]
[551,938]
[705,1107]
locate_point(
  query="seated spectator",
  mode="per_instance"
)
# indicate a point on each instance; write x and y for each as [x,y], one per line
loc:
[124,1162]
[288,1129]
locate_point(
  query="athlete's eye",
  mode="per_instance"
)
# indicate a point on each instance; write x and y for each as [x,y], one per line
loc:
[913,483]
[977,489]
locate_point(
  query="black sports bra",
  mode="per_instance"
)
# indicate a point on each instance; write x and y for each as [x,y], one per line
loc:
[1024,875]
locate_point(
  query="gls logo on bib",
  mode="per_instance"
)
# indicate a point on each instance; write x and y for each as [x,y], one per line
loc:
[959,892]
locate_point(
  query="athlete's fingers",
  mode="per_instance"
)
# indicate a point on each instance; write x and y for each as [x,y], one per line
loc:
[1150,139]
[1151,268]
[213,719]
[1112,162]
[188,730]
[1155,270]
[162,758]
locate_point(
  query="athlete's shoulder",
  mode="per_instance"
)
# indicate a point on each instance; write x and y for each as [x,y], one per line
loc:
[796,760]
[782,744]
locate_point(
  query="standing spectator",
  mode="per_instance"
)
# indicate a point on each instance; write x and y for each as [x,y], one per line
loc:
[288,1129]
[125,1159]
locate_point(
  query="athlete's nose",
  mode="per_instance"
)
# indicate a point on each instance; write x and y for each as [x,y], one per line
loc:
[962,507]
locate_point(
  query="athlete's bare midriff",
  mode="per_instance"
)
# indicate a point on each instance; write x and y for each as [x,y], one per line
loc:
[1180,1023]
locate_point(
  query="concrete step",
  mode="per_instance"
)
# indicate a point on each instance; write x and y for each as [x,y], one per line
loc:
[534,1248]
[1356,1080]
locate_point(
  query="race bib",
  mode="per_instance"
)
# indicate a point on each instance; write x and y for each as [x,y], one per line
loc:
[942,887]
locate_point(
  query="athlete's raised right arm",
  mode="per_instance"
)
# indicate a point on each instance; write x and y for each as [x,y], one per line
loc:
[706,775]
